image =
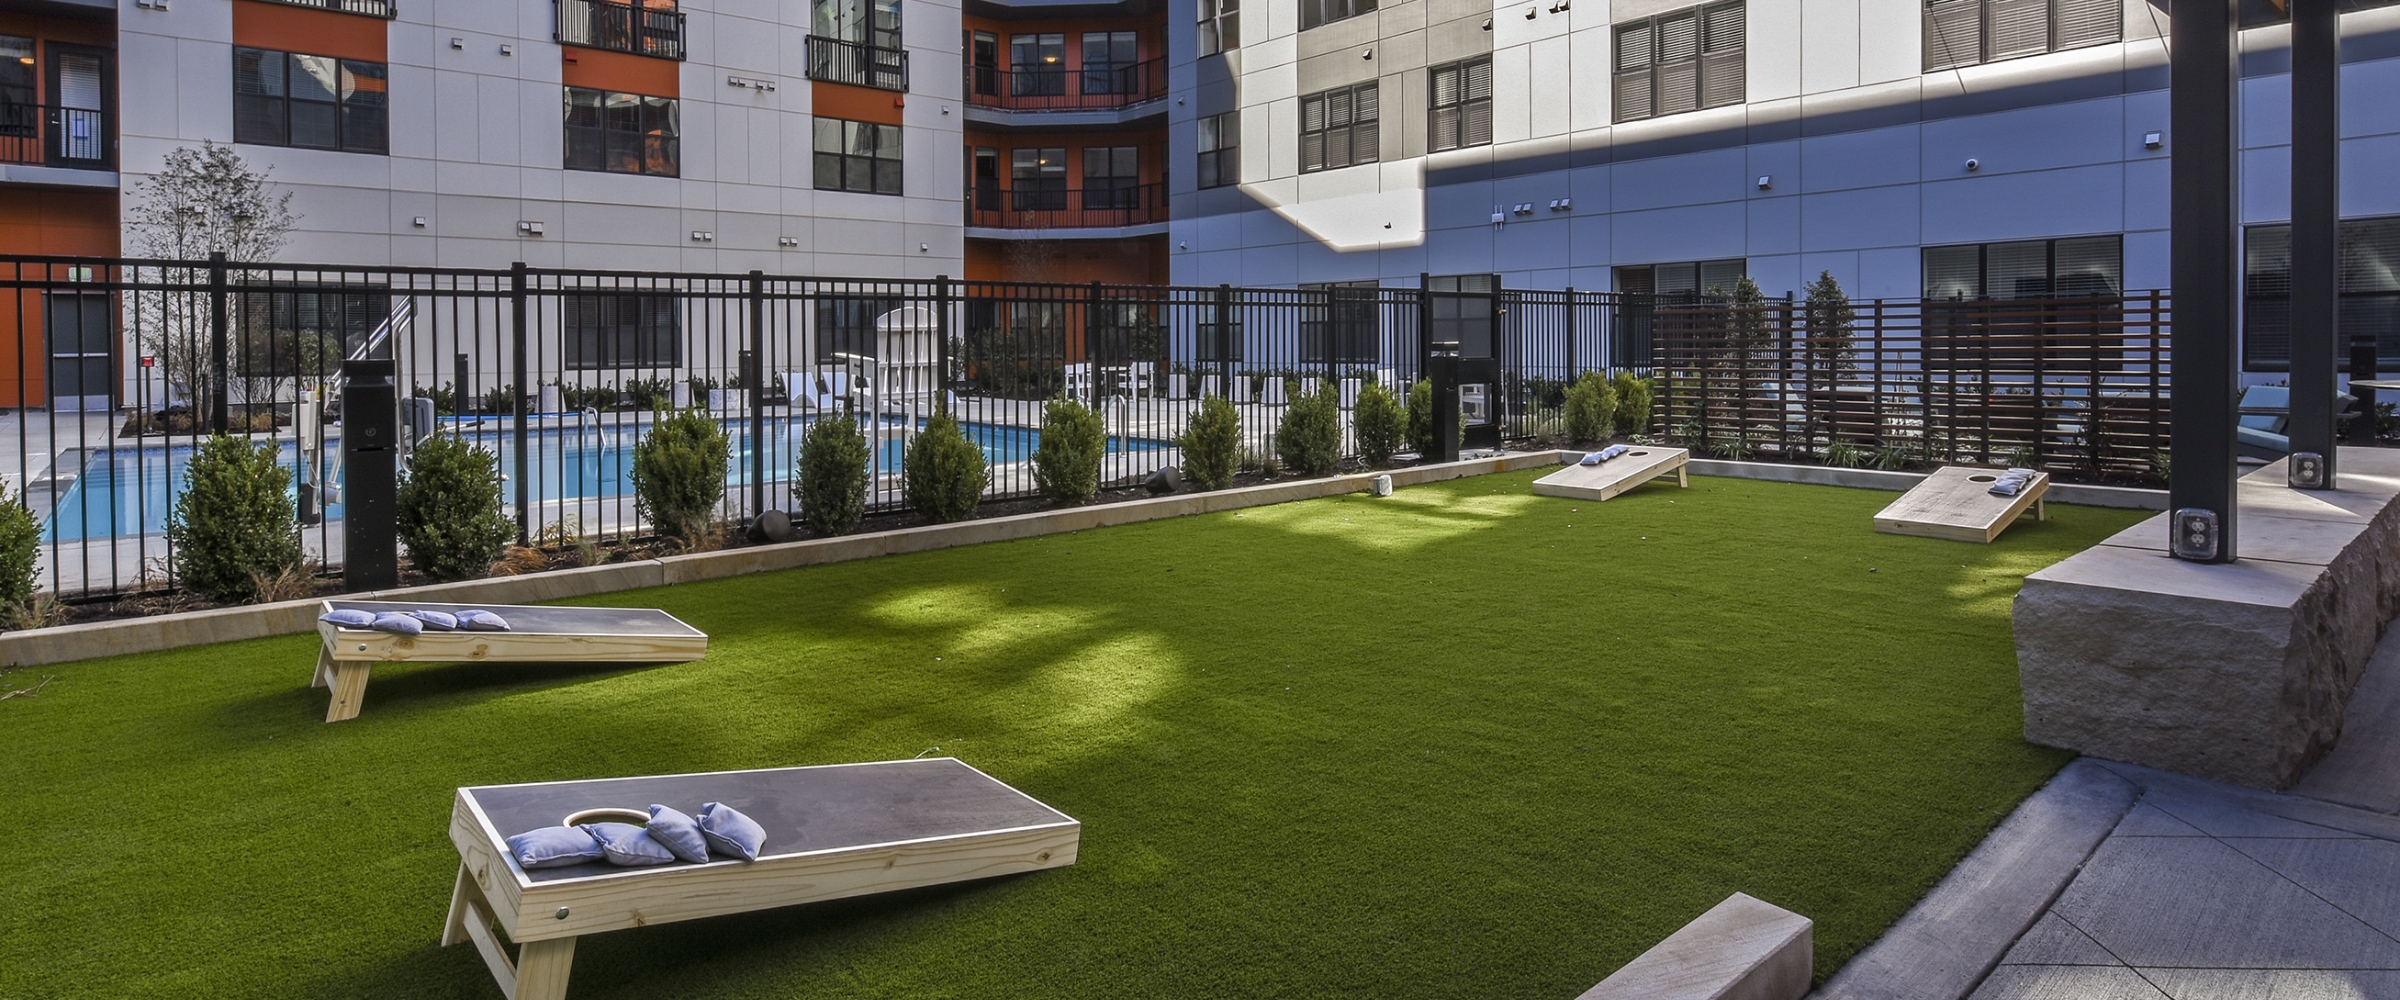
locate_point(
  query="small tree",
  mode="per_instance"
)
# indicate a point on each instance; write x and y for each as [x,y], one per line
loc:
[1066,464]
[833,475]
[1633,403]
[20,544]
[1830,321]
[449,509]
[204,201]
[1212,444]
[1378,423]
[1420,418]
[679,475]
[233,523]
[1309,439]
[1591,409]
[945,471]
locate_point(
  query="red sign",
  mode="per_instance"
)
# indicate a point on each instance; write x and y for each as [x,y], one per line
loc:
[149,362]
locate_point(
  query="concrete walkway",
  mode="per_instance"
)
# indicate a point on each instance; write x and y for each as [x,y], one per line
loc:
[2117,882]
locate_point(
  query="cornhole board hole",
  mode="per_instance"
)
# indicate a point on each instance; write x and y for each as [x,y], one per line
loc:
[832,831]
[1956,503]
[1636,466]
[535,635]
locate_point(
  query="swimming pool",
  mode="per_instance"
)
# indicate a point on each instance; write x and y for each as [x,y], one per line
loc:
[131,491]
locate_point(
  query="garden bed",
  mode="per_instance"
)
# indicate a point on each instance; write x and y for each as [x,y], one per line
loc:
[1461,741]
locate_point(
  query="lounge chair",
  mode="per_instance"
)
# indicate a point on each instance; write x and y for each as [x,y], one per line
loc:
[2266,412]
[831,832]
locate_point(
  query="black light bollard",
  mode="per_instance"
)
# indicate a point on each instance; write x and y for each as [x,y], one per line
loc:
[1442,368]
[370,475]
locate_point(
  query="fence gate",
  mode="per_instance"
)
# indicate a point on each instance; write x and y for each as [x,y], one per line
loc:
[1462,309]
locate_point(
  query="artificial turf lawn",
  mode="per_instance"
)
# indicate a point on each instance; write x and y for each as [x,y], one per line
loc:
[1462,741]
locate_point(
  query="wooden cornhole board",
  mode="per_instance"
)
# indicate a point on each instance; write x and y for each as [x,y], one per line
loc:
[1956,503]
[1638,465]
[535,635]
[832,831]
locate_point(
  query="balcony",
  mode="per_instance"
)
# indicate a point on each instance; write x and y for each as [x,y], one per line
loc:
[1058,88]
[46,135]
[990,206]
[646,29]
[858,64]
[371,8]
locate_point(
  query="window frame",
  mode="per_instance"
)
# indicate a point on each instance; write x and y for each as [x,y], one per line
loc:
[1936,16]
[1349,130]
[1342,329]
[2266,311]
[348,117]
[1460,124]
[1226,157]
[1713,60]
[846,159]
[641,150]
[1220,26]
[611,340]
[1318,13]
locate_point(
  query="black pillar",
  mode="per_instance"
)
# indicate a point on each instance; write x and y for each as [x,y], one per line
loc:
[218,385]
[370,476]
[2316,210]
[1442,369]
[2203,75]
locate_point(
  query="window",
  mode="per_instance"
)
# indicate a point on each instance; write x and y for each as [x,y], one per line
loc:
[1039,177]
[1339,328]
[622,331]
[867,22]
[2026,269]
[622,133]
[1462,105]
[983,53]
[1220,26]
[858,156]
[317,102]
[1038,65]
[2369,290]
[1220,337]
[846,325]
[985,169]
[1220,149]
[1112,177]
[1111,64]
[1643,287]
[1967,32]
[1338,128]
[1316,12]
[1680,61]
[285,334]
[16,71]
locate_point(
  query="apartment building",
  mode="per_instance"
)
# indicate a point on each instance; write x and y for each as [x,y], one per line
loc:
[1942,148]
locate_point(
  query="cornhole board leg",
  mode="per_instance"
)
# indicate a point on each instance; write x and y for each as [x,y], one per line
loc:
[349,690]
[541,967]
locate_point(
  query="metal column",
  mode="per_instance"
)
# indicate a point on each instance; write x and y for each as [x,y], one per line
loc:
[2316,214]
[2203,75]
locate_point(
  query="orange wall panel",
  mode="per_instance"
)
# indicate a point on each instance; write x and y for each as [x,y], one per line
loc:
[621,72]
[1134,260]
[44,222]
[310,32]
[858,104]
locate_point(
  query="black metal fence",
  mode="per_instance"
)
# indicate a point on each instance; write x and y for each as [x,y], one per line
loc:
[2079,385]
[122,366]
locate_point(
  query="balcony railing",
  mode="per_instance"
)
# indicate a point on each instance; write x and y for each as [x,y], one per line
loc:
[991,206]
[857,64]
[371,8]
[621,27]
[1057,88]
[46,135]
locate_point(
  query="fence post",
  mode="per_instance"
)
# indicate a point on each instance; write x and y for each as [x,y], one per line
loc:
[217,322]
[756,378]
[941,344]
[1224,335]
[524,465]
[1571,334]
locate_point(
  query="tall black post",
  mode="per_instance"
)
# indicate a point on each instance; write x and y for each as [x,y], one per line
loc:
[370,476]
[2203,74]
[217,322]
[1442,368]
[754,381]
[1224,338]
[2316,212]
[516,406]
[1570,333]
[459,395]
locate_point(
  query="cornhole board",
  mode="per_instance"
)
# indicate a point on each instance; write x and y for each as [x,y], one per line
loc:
[1638,465]
[832,831]
[535,635]
[1956,503]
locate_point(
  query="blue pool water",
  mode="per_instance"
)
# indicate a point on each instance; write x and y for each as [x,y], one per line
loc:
[131,491]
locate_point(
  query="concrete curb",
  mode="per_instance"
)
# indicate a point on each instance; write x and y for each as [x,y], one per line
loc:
[1877,479]
[68,643]
[1945,945]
